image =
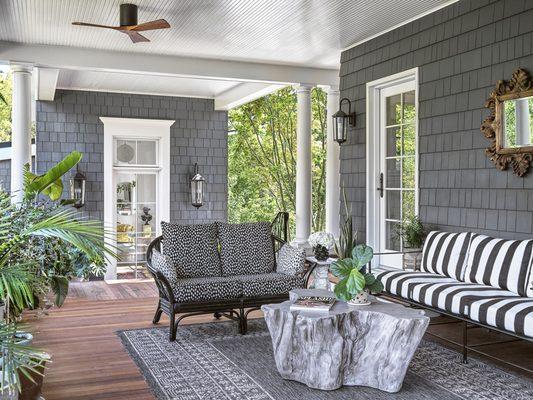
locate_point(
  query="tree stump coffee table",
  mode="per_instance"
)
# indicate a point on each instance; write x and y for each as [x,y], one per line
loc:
[349,345]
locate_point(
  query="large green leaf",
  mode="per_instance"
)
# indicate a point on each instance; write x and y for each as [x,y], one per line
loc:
[341,290]
[369,279]
[60,289]
[355,283]
[50,183]
[362,254]
[342,268]
[376,287]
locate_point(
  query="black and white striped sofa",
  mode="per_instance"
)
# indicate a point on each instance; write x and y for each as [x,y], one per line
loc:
[476,278]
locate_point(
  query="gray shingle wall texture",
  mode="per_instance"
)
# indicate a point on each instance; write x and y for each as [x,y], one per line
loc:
[71,122]
[5,174]
[461,51]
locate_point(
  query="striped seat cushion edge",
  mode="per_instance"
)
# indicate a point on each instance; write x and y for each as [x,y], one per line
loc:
[445,253]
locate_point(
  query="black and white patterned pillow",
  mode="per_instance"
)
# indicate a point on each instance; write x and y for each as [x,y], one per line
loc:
[291,260]
[163,264]
[246,248]
[192,248]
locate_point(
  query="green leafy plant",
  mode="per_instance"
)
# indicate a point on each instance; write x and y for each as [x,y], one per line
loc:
[347,237]
[412,232]
[353,276]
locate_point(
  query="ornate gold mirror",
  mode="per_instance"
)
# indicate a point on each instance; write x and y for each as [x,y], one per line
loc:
[510,124]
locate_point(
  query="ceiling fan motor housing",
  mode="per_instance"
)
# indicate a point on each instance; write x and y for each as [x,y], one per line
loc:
[128,14]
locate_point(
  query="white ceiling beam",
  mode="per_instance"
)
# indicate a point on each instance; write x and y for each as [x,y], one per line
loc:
[105,60]
[46,83]
[243,93]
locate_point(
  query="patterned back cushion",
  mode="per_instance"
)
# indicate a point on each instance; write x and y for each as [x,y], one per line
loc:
[163,264]
[500,263]
[291,260]
[192,248]
[445,253]
[246,248]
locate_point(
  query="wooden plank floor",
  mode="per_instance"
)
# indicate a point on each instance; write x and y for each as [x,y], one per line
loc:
[90,363]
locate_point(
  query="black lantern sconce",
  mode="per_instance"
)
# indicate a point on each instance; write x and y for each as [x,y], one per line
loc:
[197,188]
[77,189]
[341,121]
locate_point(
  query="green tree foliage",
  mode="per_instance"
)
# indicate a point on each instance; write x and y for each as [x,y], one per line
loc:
[5,107]
[262,157]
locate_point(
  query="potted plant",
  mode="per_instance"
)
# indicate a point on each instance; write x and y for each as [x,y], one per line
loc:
[355,282]
[38,241]
[321,242]
[413,234]
[347,237]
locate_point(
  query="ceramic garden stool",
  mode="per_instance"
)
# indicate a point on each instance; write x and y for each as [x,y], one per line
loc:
[350,345]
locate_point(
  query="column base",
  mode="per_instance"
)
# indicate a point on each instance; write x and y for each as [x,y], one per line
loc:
[303,244]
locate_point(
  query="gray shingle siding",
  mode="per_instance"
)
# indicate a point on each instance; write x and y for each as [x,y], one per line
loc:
[5,174]
[71,122]
[461,51]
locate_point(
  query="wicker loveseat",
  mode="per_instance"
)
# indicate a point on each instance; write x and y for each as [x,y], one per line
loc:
[478,279]
[225,269]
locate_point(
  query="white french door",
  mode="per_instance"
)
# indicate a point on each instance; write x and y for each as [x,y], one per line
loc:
[393,166]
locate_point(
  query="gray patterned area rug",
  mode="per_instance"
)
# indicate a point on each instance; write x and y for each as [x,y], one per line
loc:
[213,362]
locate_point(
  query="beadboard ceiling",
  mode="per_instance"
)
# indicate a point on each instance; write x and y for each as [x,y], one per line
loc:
[297,32]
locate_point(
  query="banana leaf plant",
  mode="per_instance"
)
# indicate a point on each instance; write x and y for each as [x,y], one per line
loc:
[353,276]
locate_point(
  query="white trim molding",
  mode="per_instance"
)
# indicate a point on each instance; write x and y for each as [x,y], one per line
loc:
[135,128]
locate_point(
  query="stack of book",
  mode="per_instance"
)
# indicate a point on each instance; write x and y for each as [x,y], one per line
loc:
[313,303]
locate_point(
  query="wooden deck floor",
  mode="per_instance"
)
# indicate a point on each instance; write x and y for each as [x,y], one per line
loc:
[90,363]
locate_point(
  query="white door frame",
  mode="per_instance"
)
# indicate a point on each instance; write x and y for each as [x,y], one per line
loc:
[373,150]
[134,128]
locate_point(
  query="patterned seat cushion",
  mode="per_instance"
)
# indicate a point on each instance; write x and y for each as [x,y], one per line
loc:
[246,248]
[500,263]
[192,248]
[445,253]
[453,297]
[163,264]
[291,260]
[206,289]
[400,283]
[513,314]
[269,284]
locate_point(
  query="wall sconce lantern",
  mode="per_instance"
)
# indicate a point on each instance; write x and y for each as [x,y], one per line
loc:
[341,121]
[77,189]
[197,188]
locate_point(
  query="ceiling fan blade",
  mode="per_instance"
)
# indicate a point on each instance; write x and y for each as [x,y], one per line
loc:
[94,25]
[147,26]
[136,37]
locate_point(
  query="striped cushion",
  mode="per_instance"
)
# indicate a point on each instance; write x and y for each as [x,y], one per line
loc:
[400,282]
[453,297]
[445,253]
[511,314]
[499,263]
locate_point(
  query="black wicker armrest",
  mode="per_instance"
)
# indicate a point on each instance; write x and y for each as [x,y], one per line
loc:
[165,290]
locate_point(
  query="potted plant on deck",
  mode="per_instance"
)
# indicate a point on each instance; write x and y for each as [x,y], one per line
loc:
[355,282]
[413,234]
[38,240]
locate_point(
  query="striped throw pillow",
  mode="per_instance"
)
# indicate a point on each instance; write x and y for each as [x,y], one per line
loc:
[445,253]
[500,263]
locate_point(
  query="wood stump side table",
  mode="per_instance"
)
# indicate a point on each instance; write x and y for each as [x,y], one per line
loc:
[349,345]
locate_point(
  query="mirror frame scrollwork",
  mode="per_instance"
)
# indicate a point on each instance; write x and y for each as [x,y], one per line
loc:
[521,158]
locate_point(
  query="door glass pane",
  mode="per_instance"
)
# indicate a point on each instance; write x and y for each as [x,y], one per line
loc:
[146,188]
[409,140]
[125,152]
[392,240]
[393,173]
[146,152]
[392,198]
[408,173]
[409,110]
[394,142]
[408,204]
[394,110]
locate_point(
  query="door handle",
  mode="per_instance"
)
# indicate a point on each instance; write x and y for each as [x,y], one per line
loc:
[380,187]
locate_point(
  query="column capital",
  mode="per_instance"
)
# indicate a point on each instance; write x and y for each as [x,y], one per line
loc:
[21,67]
[303,87]
[332,89]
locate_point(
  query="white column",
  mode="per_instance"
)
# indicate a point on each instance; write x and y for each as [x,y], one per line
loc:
[333,187]
[21,128]
[303,165]
[522,122]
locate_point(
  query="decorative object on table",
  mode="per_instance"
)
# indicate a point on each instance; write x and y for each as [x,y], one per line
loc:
[197,188]
[413,234]
[321,242]
[355,282]
[347,238]
[124,197]
[319,270]
[385,335]
[313,303]
[77,189]
[508,125]
[146,217]
[123,233]
[341,121]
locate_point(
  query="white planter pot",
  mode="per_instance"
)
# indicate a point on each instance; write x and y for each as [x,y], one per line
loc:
[360,299]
